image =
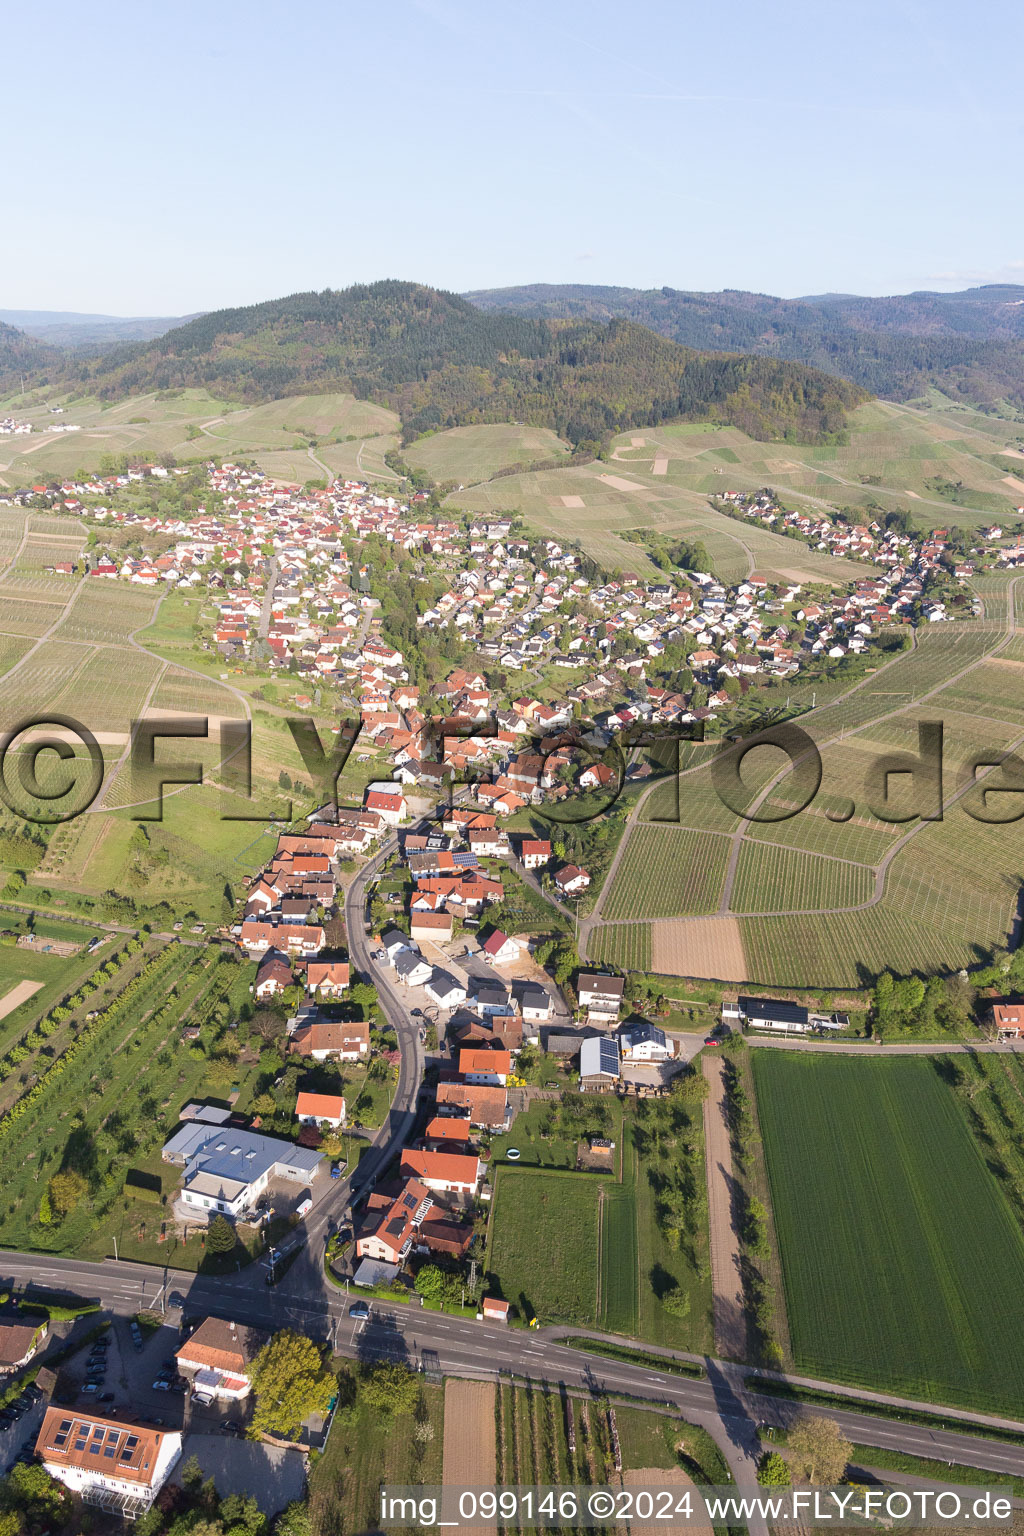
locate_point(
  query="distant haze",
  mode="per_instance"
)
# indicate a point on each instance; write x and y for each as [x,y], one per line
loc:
[68,328]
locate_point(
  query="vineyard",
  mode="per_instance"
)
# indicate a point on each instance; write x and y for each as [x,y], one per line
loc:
[769,877]
[667,872]
[625,945]
[915,1293]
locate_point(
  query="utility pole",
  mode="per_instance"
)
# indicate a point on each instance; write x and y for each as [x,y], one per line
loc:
[115,1251]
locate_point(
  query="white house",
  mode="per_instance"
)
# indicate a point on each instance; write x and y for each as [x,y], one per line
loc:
[536,1003]
[500,949]
[413,969]
[444,990]
[112,1464]
[601,996]
[321,1109]
[641,1041]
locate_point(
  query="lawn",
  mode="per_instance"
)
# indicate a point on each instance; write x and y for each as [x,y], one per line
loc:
[901,1258]
[542,1251]
[363,1453]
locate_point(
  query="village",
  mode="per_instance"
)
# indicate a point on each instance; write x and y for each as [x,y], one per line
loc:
[280,567]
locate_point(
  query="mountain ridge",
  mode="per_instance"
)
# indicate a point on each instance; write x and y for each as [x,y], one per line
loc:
[440,361]
[968,344]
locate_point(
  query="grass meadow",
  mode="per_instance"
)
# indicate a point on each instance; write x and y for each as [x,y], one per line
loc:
[901,1257]
[551,1273]
[589,1249]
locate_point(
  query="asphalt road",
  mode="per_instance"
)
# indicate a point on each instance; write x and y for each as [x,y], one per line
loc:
[470,1348]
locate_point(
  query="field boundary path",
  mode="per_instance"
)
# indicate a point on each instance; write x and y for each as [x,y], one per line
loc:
[726,1285]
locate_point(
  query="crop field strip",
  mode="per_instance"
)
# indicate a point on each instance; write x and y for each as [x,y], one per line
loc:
[188,693]
[770,878]
[902,1259]
[626,945]
[666,872]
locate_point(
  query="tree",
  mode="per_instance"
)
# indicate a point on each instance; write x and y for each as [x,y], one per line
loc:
[676,1301]
[66,1189]
[294,1520]
[390,1388]
[430,1282]
[772,1471]
[289,1381]
[820,1448]
[220,1236]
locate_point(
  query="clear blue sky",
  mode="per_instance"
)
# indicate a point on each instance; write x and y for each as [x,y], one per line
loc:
[188,156]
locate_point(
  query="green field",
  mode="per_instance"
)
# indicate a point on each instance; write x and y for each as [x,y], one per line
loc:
[615,1256]
[553,1275]
[901,1258]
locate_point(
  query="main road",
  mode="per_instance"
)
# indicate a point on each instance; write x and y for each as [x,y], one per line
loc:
[463,1347]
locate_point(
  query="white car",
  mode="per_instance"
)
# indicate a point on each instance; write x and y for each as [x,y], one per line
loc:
[304,1207]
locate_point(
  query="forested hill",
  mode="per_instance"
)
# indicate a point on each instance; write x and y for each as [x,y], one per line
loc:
[20,356]
[969,344]
[441,361]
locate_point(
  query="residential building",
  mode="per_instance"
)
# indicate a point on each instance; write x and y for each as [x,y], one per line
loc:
[486,1107]
[433,926]
[19,1340]
[489,1067]
[218,1357]
[321,1109]
[347,1041]
[642,1041]
[1006,1020]
[536,1003]
[571,880]
[391,1223]
[115,1465]
[500,949]
[327,978]
[601,996]
[444,990]
[391,806]
[413,969]
[451,1173]
[273,976]
[771,1013]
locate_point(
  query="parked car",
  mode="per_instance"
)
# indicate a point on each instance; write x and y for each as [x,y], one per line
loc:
[204,1399]
[106,1397]
[304,1206]
[335,1172]
[90,1387]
